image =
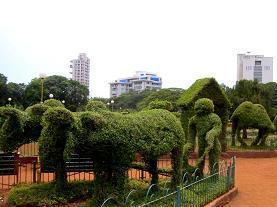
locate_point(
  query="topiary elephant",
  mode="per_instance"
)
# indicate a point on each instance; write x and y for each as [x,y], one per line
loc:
[249,115]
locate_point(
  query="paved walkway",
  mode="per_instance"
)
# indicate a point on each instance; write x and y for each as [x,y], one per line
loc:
[257,183]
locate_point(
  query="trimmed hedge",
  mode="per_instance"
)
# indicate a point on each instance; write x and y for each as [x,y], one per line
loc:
[207,126]
[251,115]
[12,128]
[56,142]
[205,88]
[113,144]
[161,105]
[53,103]
[96,106]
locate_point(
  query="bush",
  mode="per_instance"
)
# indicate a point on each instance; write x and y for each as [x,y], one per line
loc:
[251,115]
[113,143]
[45,194]
[205,88]
[12,128]
[56,142]
[96,106]
[161,105]
[53,103]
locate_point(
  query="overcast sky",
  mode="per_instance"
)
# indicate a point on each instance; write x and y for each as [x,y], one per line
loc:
[180,40]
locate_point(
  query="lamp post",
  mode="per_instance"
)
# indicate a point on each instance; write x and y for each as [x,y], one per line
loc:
[51,95]
[9,100]
[112,102]
[42,76]
[63,101]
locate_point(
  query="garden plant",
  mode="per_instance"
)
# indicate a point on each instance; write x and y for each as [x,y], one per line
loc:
[249,115]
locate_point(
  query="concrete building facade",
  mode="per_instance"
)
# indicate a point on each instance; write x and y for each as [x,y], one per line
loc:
[141,81]
[251,67]
[81,69]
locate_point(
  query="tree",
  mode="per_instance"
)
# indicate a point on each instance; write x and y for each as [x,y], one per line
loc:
[72,92]
[3,89]
[168,94]
[130,100]
[16,91]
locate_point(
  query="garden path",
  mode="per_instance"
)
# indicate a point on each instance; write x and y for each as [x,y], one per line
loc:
[257,183]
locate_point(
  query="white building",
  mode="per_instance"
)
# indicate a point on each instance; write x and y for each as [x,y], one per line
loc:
[140,81]
[251,67]
[80,69]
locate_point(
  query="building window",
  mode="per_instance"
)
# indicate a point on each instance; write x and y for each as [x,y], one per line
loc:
[258,62]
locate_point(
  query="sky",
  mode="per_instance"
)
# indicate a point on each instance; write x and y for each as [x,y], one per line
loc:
[181,41]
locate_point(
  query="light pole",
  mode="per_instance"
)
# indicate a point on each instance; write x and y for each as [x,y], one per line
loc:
[51,95]
[42,76]
[9,99]
[112,102]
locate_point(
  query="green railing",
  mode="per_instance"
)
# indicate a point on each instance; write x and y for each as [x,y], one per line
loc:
[199,192]
[194,191]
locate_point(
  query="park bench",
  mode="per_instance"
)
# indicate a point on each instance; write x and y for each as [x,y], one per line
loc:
[75,163]
[8,163]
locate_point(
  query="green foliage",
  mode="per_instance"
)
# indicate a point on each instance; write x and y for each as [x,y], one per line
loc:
[74,93]
[251,115]
[168,94]
[53,103]
[56,142]
[203,106]
[207,125]
[161,105]
[152,133]
[130,100]
[45,194]
[96,106]
[205,88]
[12,128]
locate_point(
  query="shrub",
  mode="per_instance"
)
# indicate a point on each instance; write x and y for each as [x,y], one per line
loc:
[252,115]
[113,143]
[96,106]
[53,103]
[161,105]
[12,128]
[205,88]
[56,141]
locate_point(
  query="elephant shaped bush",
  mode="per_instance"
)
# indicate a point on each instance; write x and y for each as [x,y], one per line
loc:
[249,115]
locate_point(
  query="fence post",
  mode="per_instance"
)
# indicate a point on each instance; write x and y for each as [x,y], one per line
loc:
[228,177]
[34,172]
[178,197]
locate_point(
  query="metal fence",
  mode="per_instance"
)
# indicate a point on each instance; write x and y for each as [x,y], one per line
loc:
[194,191]
[197,192]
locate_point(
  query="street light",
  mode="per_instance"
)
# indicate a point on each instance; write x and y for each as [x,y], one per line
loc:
[63,101]
[9,99]
[112,102]
[51,95]
[42,76]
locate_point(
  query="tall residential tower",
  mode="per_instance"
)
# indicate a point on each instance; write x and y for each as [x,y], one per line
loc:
[251,67]
[80,69]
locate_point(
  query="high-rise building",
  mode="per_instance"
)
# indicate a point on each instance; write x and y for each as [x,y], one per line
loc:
[254,67]
[80,69]
[140,81]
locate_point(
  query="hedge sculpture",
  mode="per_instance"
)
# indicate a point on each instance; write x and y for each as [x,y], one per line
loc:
[205,88]
[249,115]
[56,142]
[207,125]
[112,139]
[161,105]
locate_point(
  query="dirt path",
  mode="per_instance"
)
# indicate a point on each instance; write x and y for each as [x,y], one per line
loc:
[257,183]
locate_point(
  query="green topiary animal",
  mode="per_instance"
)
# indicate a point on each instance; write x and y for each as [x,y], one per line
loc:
[112,139]
[207,126]
[249,115]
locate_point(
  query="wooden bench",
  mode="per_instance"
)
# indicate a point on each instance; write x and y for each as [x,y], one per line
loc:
[75,163]
[8,163]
